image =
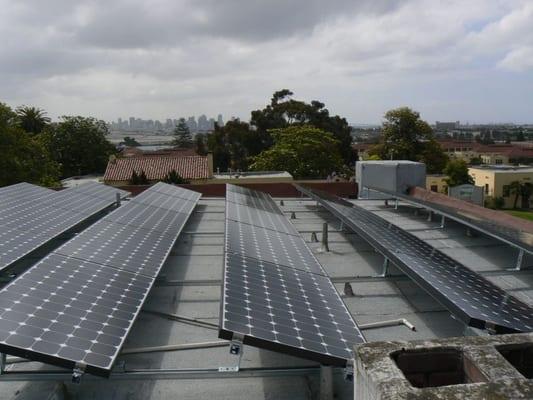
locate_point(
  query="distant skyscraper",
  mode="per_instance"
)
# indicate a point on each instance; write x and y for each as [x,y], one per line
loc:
[220,121]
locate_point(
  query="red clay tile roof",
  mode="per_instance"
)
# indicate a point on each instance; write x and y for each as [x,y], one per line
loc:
[156,168]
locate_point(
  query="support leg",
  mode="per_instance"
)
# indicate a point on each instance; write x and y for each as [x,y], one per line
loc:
[325,245]
[519,261]
[385,270]
[326,382]
[2,362]
[442,221]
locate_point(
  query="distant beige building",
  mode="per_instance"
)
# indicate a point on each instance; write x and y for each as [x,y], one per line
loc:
[496,181]
[436,183]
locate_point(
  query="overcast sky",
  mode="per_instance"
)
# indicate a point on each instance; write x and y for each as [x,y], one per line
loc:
[468,60]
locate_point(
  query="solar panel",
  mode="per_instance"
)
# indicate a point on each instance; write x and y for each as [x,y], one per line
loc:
[276,294]
[66,311]
[514,237]
[75,310]
[259,217]
[468,295]
[33,216]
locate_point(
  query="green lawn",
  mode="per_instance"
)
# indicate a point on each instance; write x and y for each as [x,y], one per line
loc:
[521,214]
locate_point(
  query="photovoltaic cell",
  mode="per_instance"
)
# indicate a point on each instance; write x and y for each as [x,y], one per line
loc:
[468,295]
[76,306]
[276,294]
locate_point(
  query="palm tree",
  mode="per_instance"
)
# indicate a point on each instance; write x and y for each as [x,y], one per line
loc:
[515,188]
[32,119]
[525,193]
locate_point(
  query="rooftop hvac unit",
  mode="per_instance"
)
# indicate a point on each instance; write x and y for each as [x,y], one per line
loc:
[395,176]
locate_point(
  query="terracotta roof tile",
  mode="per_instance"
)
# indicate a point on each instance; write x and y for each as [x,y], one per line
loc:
[156,168]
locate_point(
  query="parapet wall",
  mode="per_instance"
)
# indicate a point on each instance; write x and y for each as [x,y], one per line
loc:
[474,367]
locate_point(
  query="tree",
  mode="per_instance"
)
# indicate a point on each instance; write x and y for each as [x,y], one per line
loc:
[515,189]
[404,136]
[175,178]
[143,180]
[526,192]
[131,142]
[200,144]
[304,151]
[32,119]
[23,157]
[233,144]
[134,180]
[182,135]
[138,178]
[476,161]
[523,190]
[283,111]
[457,173]
[79,145]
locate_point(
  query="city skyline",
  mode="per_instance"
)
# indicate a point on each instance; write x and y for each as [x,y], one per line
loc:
[448,60]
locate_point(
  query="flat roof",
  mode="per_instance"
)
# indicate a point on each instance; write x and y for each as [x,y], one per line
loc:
[193,274]
[505,169]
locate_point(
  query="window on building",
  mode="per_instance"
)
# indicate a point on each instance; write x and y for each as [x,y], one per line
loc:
[499,161]
[506,190]
[486,188]
[434,188]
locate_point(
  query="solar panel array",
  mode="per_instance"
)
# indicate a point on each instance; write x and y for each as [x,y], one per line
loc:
[468,295]
[30,215]
[76,306]
[515,237]
[276,294]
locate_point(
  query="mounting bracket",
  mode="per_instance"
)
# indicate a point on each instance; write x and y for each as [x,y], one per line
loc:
[235,349]
[348,371]
[78,371]
[2,362]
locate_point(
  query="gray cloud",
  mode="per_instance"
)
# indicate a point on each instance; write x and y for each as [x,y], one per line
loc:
[162,58]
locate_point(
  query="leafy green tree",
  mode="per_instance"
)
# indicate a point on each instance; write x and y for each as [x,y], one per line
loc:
[457,173]
[523,190]
[131,142]
[79,145]
[404,136]
[283,111]
[134,180]
[143,179]
[175,178]
[22,157]
[476,161]
[182,135]
[233,144]
[200,144]
[525,193]
[32,119]
[304,151]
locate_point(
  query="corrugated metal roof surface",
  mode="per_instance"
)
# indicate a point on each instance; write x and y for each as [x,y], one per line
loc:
[155,168]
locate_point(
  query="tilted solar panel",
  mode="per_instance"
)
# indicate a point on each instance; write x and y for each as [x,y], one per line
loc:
[468,295]
[276,294]
[33,216]
[75,307]
[516,238]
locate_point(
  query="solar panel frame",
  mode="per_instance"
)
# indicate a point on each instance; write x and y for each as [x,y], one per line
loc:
[265,274]
[83,297]
[443,279]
